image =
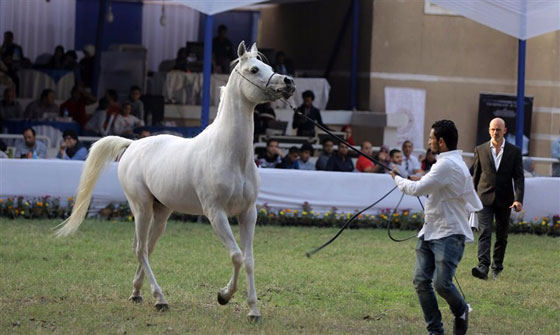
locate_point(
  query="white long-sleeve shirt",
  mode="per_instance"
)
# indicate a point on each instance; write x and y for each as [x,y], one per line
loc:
[451,197]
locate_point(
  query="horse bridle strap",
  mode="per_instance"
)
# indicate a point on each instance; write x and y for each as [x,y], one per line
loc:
[265,90]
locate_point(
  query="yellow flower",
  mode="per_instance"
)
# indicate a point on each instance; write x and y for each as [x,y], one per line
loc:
[295,211]
[40,204]
[304,213]
[1,201]
[129,218]
[544,223]
[414,216]
[70,199]
[22,212]
[405,213]
[26,203]
[327,214]
[47,204]
[282,213]
[395,214]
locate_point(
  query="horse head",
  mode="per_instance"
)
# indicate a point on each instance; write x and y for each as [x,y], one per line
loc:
[262,84]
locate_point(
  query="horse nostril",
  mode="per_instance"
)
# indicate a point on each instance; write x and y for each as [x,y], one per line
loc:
[288,81]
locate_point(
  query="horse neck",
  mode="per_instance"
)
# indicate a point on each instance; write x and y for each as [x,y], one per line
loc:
[235,118]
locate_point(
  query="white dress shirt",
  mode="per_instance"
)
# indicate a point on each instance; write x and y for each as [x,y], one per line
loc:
[451,197]
[497,157]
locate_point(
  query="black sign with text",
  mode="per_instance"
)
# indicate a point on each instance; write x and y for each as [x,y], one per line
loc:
[503,106]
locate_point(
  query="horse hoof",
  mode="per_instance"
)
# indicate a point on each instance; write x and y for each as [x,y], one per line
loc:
[136,299]
[162,307]
[222,300]
[254,319]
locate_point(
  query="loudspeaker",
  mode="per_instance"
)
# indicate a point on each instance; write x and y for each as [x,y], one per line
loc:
[154,106]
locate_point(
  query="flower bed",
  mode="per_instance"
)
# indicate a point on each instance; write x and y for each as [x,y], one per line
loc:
[50,208]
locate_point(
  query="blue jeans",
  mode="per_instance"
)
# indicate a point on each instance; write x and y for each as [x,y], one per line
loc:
[436,261]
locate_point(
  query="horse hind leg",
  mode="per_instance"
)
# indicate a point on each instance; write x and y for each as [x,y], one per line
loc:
[247,222]
[221,227]
[157,227]
[143,213]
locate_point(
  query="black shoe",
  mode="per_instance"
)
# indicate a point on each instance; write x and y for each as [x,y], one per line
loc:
[461,325]
[495,275]
[480,273]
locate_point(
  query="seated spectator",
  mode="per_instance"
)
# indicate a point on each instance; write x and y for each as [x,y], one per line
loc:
[328,146]
[306,152]
[30,147]
[410,163]
[305,127]
[70,61]
[101,122]
[57,59]
[10,48]
[282,65]
[428,161]
[75,106]
[383,157]
[87,65]
[135,102]
[181,62]
[349,138]
[145,133]
[340,161]
[125,122]
[272,156]
[291,161]
[3,150]
[9,106]
[529,167]
[71,148]
[263,114]
[43,107]
[396,162]
[8,71]
[364,164]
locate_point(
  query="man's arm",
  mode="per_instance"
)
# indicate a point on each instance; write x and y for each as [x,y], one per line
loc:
[434,180]
[518,178]
[477,169]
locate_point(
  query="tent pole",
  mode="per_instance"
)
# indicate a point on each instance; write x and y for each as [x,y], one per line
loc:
[98,47]
[355,38]
[206,69]
[520,110]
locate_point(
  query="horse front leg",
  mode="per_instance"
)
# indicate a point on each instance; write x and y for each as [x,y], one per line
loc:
[247,222]
[221,227]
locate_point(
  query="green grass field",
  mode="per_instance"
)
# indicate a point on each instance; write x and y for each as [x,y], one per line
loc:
[359,285]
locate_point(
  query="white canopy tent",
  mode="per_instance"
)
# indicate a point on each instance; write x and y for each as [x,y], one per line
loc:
[521,19]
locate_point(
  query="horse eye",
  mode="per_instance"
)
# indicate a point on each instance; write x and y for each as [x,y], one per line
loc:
[254,70]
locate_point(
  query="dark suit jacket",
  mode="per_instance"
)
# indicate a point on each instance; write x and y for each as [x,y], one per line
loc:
[495,187]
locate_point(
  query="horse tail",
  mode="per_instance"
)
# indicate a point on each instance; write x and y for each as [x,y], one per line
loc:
[102,152]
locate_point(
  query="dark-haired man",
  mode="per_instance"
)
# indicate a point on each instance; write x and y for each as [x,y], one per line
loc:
[71,148]
[291,160]
[30,147]
[446,229]
[223,50]
[272,156]
[306,152]
[42,107]
[328,148]
[304,126]
[340,161]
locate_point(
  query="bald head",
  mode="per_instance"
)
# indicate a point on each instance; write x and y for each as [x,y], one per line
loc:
[497,130]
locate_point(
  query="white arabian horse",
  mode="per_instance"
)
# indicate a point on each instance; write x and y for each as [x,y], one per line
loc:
[213,174]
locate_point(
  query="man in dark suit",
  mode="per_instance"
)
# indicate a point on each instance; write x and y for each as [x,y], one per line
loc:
[496,164]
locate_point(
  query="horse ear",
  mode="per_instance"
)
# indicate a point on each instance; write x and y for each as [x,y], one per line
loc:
[241,50]
[254,48]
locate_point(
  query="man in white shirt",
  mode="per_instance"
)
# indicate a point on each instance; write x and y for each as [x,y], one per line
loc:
[410,164]
[446,229]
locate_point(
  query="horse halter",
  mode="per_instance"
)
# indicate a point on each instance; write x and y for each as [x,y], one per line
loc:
[268,92]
